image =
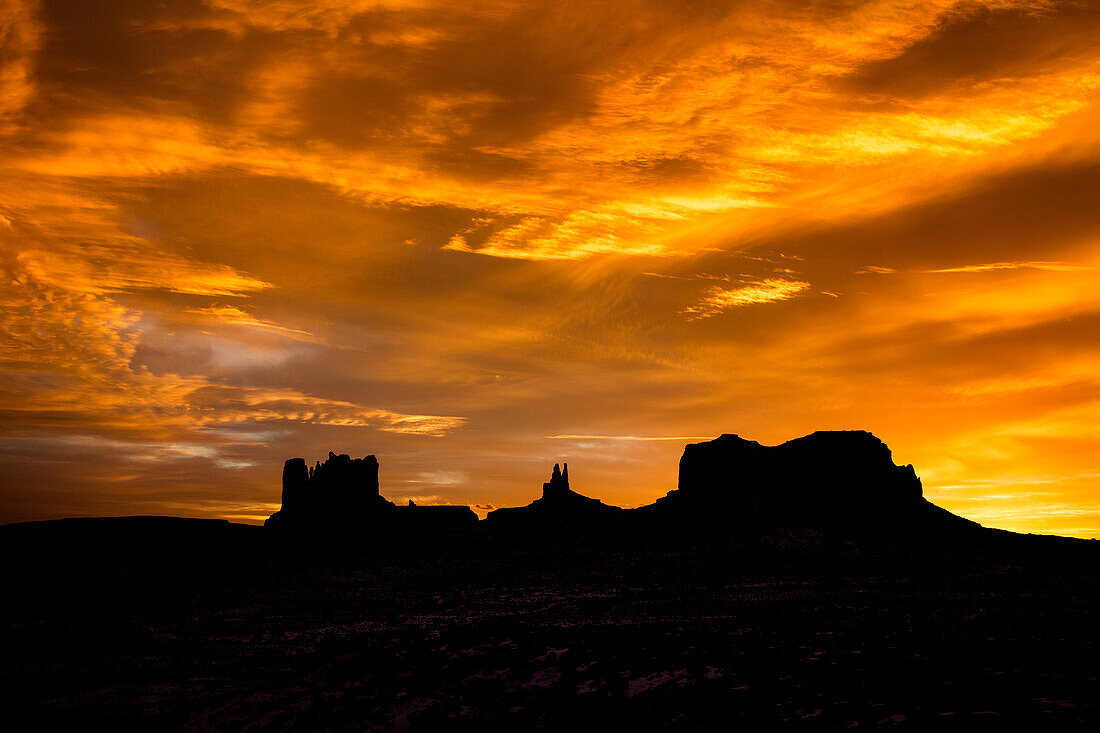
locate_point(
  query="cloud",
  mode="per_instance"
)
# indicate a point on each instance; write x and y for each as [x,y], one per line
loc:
[68,357]
[20,37]
[226,404]
[88,270]
[642,438]
[233,316]
[505,119]
[771,290]
[967,49]
[1054,266]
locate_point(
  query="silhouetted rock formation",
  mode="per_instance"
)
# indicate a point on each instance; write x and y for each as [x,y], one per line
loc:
[829,479]
[559,504]
[343,492]
[339,491]
[558,485]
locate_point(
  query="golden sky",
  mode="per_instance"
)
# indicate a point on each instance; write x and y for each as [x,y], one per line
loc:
[478,238]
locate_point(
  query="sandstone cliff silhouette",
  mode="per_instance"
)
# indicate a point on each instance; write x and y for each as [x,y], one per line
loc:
[828,480]
[815,499]
[559,504]
[342,493]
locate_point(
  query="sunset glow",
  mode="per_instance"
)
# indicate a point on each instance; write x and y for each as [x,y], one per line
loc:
[477,239]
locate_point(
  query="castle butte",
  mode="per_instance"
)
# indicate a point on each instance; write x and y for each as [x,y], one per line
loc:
[827,480]
[342,493]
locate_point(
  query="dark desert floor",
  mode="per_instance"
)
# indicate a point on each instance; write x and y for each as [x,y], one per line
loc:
[502,634]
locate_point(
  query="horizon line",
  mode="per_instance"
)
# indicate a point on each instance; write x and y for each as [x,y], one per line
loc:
[578,436]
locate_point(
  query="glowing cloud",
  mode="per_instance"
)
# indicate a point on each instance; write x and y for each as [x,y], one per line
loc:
[233,316]
[992,266]
[720,298]
[641,438]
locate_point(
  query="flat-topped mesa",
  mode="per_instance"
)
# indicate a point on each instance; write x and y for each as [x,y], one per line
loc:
[827,478]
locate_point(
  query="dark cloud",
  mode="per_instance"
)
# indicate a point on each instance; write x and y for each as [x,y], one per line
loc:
[1032,213]
[977,45]
[108,55]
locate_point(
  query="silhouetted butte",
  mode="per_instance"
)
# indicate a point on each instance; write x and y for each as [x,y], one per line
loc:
[342,494]
[828,479]
[559,504]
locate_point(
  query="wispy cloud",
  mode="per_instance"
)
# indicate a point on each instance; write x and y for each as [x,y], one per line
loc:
[224,404]
[992,266]
[115,269]
[638,438]
[771,290]
[70,358]
[233,316]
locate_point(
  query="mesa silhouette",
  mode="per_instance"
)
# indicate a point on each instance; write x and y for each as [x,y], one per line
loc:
[843,480]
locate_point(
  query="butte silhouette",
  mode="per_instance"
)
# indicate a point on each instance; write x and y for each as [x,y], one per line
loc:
[841,480]
[342,493]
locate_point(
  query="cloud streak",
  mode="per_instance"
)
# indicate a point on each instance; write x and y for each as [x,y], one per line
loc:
[993,266]
[640,438]
[719,299]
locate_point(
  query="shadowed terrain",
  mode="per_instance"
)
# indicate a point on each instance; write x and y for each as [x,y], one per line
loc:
[566,613]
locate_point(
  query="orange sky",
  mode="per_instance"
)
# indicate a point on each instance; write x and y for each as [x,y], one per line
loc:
[478,238]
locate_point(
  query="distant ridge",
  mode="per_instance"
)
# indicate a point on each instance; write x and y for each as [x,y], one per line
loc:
[150,538]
